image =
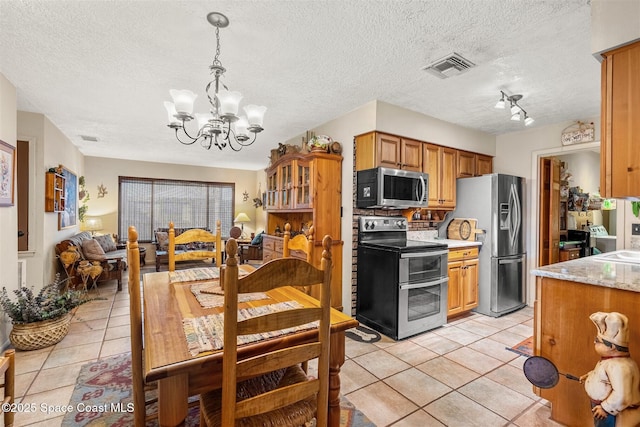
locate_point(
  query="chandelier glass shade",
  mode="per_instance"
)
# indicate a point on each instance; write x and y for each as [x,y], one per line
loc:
[517,112]
[222,126]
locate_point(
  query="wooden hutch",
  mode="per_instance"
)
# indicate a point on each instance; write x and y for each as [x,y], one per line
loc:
[303,189]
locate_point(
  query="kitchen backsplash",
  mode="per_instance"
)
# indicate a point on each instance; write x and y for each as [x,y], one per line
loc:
[422,235]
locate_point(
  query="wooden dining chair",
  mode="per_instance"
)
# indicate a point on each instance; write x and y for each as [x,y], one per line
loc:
[8,372]
[137,347]
[272,386]
[300,242]
[191,237]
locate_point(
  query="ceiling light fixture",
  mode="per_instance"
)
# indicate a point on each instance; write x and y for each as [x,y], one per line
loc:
[517,112]
[222,125]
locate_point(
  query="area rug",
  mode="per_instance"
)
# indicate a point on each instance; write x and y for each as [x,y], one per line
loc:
[523,348]
[103,393]
[362,334]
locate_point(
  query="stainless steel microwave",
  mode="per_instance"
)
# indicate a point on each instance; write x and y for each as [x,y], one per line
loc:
[391,188]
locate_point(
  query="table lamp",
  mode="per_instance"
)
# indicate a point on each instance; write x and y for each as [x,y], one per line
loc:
[93,224]
[242,218]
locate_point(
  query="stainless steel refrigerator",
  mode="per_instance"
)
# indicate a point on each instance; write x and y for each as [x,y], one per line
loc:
[496,201]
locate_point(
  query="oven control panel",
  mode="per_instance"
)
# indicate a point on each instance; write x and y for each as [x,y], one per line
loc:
[383,223]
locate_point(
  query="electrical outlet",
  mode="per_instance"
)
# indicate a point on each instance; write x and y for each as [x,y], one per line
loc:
[635,229]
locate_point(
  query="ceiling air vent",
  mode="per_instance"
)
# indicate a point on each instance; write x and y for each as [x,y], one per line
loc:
[89,138]
[450,65]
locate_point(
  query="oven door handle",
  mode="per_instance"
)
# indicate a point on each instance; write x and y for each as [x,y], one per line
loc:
[424,254]
[424,284]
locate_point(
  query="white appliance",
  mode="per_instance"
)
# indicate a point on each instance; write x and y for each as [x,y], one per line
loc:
[496,201]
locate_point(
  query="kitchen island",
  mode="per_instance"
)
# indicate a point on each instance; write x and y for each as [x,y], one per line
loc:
[566,294]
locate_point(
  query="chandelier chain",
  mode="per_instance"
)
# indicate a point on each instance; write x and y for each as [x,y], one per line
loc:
[216,61]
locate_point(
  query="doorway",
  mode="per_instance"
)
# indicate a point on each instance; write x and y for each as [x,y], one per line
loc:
[565,181]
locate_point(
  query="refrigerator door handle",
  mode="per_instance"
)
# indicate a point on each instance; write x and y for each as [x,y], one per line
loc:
[514,217]
[511,261]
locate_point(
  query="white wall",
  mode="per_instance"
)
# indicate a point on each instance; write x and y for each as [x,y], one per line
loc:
[52,149]
[103,171]
[8,215]
[614,23]
[584,167]
[400,121]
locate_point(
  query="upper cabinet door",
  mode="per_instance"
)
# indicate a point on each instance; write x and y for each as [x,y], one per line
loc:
[620,122]
[410,155]
[484,164]
[388,148]
[466,164]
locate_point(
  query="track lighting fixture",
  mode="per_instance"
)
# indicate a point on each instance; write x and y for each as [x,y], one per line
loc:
[517,112]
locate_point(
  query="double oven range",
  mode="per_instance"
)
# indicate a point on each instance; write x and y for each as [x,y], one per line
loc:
[402,284]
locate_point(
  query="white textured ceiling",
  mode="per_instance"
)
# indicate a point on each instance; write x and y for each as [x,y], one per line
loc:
[104,68]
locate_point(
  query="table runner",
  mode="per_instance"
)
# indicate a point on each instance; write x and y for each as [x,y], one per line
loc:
[206,333]
[194,274]
[210,295]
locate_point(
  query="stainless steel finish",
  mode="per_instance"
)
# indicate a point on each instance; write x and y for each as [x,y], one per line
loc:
[435,253]
[425,284]
[403,264]
[496,201]
[367,189]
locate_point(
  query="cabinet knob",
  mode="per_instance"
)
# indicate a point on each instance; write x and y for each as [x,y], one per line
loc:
[629,169]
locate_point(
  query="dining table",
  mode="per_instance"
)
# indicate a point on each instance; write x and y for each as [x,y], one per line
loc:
[180,374]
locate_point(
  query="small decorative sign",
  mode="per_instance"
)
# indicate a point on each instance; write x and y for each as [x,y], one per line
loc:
[578,133]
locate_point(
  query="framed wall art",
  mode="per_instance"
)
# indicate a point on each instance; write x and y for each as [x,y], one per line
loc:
[69,217]
[7,173]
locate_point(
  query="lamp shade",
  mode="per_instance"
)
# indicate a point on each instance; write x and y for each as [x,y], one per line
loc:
[93,224]
[242,217]
[171,112]
[183,100]
[255,114]
[229,102]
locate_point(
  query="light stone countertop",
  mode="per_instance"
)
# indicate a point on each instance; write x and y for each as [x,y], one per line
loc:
[589,270]
[432,236]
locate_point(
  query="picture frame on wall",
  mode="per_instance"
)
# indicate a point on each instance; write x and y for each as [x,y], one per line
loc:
[69,217]
[7,173]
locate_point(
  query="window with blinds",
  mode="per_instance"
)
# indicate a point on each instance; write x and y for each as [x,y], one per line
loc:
[149,204]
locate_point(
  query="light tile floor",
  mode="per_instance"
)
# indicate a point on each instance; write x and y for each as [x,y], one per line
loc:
[458,375]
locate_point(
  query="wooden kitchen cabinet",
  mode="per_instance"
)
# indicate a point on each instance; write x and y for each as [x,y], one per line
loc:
[564,334]
[620,126]
[484,164]
[303,189]
[473,164]
[379,149]
[54,197]
[466,164]
[440,163]
[463,280]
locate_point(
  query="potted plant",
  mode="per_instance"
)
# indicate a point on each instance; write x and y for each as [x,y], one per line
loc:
[40,320]
[320,143]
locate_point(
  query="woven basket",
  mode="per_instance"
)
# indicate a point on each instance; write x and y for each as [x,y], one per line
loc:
[36,335]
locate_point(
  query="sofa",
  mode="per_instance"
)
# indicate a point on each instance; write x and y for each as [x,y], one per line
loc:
[95,248]
[161,236]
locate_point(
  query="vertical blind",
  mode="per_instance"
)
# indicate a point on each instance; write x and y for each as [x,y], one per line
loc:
[149,204]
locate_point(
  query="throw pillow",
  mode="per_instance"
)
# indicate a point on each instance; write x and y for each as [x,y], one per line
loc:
[93,251]
[106,241]
[162,239]
[257,241]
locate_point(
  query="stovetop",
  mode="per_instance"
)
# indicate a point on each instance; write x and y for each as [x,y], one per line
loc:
[391,233]
[405,245]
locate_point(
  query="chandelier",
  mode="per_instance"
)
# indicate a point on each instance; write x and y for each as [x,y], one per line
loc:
[517,113]
[222,126]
